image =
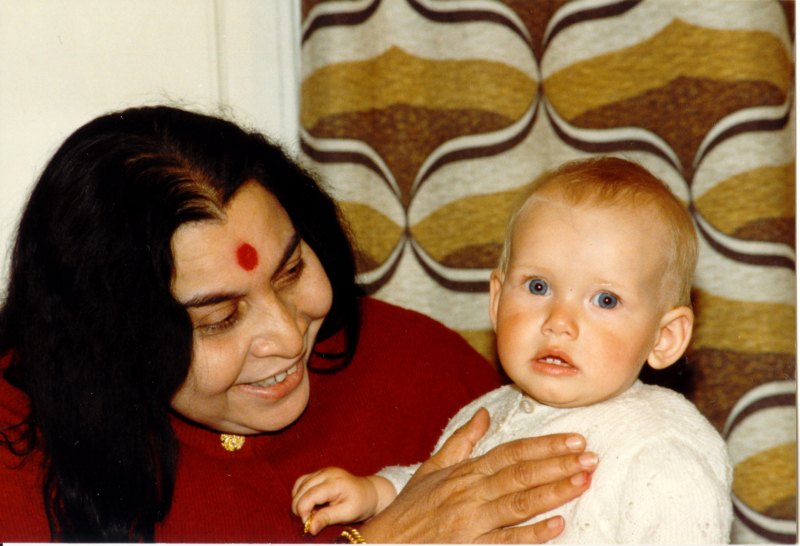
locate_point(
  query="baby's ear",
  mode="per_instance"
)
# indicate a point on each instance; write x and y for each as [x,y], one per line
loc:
[674,335]
[495,284]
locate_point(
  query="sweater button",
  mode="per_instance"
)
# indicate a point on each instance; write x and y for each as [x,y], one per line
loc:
[526,405]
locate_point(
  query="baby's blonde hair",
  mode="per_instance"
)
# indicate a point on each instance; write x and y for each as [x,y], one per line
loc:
[615,182]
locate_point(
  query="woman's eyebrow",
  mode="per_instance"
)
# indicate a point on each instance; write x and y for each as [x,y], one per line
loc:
[219,297]
[211,299]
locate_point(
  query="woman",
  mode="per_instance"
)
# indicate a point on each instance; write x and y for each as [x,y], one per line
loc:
[178,291]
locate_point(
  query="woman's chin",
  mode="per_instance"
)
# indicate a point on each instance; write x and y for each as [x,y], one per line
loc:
[247,411]
[270,415]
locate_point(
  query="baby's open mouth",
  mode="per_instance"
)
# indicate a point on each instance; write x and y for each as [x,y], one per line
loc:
[555,360]
[277,378]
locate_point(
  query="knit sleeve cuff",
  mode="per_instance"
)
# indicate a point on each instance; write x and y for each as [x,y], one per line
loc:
[398,475]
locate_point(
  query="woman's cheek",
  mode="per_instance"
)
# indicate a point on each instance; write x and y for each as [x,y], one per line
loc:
[320,296]
[214,365]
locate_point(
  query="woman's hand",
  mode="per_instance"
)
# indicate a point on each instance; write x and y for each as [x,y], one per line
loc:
[453,499]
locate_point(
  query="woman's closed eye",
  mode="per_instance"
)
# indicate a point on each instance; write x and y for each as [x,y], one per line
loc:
[291,274]
[605,300]
[217,321]
[538,287]
[292,269]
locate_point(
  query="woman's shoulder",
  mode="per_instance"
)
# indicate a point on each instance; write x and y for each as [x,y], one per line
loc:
[413,348]
[22,515]
[13,402]
[13,412]
[390,317]
[410,331]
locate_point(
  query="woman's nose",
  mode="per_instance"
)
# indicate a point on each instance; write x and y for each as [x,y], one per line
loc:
[560,321]
[280,331]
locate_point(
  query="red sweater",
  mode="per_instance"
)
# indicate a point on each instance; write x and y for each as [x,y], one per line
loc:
[389,406]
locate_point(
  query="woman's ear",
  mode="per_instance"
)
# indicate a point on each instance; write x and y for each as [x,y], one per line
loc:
[495,284]
[674,335]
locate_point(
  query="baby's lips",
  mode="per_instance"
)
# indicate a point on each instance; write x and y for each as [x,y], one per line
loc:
[554,354]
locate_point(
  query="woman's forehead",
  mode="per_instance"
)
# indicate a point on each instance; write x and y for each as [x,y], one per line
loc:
[253,234]
[247,256]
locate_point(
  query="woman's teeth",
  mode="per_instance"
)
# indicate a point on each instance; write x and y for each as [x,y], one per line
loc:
[275,379]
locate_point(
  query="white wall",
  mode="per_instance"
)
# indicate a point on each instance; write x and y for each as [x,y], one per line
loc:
[63,62]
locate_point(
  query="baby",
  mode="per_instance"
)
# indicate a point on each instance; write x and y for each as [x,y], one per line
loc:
[594,282]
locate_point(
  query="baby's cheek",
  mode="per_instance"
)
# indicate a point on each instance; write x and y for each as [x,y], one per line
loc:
[509,341]
[625,350]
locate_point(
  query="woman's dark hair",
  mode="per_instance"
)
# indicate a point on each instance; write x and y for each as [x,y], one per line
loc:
[96,339]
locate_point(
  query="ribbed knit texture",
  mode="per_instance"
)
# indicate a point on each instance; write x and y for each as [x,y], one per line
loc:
[389,406]
[664,475]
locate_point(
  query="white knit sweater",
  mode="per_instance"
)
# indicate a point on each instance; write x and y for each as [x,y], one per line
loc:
[664,475]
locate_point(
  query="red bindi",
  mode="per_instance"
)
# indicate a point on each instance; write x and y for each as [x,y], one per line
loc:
[247,257]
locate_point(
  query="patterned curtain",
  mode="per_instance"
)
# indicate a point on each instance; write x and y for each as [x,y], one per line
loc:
[425,117]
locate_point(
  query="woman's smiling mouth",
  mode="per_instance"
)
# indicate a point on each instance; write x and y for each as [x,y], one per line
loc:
[275,379]
[277,387]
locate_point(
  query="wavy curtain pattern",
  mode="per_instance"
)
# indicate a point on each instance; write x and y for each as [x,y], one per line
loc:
[425,117]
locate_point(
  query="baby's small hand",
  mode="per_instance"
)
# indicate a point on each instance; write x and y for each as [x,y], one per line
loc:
[337,495]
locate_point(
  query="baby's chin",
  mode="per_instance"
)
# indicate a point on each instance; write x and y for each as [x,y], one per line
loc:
[565,400]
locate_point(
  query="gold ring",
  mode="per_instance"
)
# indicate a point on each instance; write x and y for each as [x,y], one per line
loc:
[307,524]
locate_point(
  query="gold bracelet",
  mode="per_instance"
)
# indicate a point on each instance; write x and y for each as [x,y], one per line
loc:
[353,536]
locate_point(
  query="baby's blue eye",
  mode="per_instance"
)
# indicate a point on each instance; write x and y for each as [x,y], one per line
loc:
[605,300]
[538,287]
